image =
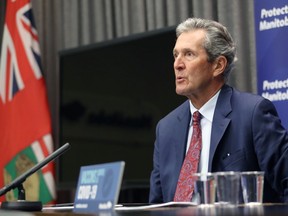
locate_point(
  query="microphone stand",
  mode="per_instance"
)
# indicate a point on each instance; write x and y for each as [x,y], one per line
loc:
[21,204]
[21,192]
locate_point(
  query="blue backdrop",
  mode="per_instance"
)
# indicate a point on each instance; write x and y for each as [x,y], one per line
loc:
[271,28]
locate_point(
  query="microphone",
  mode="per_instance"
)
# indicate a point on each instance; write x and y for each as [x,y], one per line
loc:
[21,204]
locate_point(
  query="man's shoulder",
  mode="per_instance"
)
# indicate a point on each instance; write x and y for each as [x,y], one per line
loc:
[243,96]
[241,100]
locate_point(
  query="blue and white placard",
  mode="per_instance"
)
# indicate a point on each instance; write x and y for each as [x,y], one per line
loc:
[98,187]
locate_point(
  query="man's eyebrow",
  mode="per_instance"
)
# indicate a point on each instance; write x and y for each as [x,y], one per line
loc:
[183,50]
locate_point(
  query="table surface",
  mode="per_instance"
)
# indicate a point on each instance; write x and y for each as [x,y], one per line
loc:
[264,209]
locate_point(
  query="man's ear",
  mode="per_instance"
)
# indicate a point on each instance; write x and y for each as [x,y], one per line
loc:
[219,65]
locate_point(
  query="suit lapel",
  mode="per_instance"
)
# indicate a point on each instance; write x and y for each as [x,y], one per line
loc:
[220,120]
[181,131]
[219,126]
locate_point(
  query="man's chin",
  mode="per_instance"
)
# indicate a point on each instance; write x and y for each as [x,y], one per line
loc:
[181,92]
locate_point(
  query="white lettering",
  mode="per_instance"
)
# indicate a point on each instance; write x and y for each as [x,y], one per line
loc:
[277,96]
[275,23]
[276,84]
[84,192]
[274,12]
[104,206]
[93,192]
[81,205]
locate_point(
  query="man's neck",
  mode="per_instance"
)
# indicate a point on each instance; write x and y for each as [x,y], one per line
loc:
[199,100]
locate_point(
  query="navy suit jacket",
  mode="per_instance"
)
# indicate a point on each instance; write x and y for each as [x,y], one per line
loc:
[246,135]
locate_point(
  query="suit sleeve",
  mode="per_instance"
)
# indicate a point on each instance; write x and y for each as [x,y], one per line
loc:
[271,146]
[155,195]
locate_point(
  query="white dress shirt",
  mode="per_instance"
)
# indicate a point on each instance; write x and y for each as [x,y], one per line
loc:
[207,112]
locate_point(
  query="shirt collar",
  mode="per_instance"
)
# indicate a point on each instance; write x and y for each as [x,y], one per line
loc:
[207,110]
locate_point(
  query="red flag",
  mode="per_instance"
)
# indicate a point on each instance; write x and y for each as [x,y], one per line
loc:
[25,128]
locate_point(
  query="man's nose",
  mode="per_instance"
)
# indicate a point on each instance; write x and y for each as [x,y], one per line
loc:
[178,63]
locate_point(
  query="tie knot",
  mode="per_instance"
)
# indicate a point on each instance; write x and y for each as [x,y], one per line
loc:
[196,117]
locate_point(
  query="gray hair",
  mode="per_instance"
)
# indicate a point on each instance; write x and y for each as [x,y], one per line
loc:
[218,41]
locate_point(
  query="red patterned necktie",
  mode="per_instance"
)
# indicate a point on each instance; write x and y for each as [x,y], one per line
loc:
[185,184]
